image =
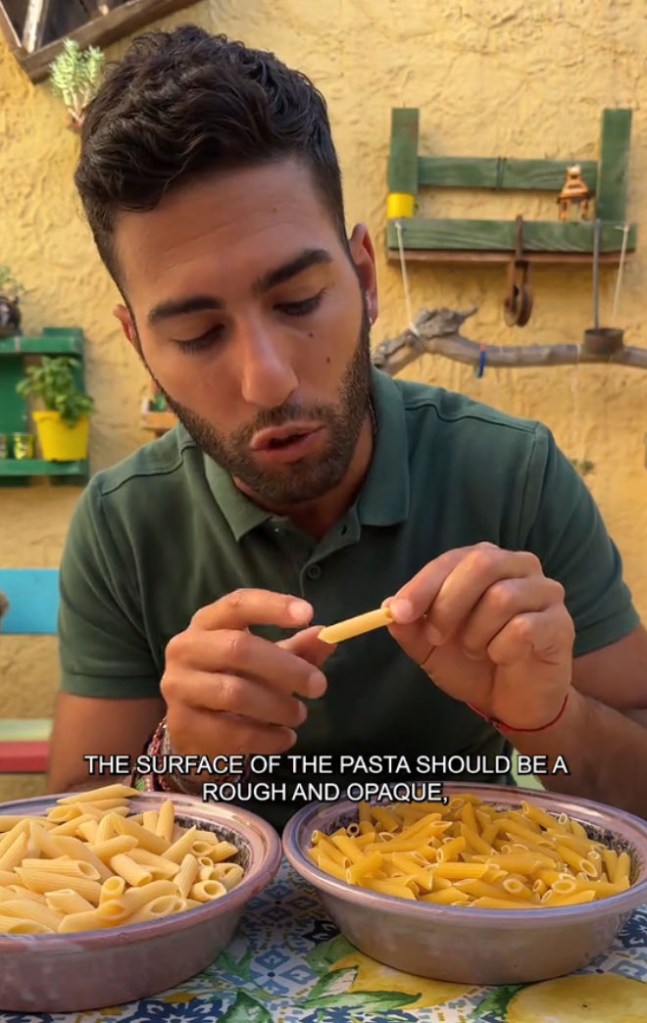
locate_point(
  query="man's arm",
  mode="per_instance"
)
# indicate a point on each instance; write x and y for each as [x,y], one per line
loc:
[603,725]
[84,725]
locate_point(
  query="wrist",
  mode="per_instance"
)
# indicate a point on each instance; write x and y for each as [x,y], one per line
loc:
[159,748]
[512,729]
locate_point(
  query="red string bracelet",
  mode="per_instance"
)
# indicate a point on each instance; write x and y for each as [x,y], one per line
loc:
[502,727]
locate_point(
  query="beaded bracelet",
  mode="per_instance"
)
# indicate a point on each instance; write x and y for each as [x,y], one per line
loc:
[159,744]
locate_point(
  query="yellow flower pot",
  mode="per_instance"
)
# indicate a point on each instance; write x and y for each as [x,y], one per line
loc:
[61,443]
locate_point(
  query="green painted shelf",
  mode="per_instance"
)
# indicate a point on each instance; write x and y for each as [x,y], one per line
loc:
[52,341]
[39,467]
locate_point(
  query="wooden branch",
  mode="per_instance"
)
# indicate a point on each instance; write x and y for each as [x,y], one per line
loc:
[439,334]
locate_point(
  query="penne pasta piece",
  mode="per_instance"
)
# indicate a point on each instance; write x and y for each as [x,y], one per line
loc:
[188,874]
[63,865]
[44,881]
[14,854]
[133,873]
[356,626]
[149,820]
[166,821]
[133,899]
[19,891]
[145,840]
[113,888]
[165,905]
[159,866]
[25,909]
[88,831]
[206,891]
[446,897]
[179,849]
[89,921]
[115,791]
[104,851]
[222,851]
[11,925]
[65,902]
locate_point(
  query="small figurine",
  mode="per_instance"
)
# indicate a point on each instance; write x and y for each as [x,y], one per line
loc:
[575,197]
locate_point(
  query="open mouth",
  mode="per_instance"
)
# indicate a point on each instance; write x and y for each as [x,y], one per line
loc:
[284,442]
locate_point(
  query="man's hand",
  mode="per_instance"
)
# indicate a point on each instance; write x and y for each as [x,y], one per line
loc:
[229,692]
[490,629]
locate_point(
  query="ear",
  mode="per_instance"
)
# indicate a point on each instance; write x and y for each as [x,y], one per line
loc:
[363,256]
[127,325]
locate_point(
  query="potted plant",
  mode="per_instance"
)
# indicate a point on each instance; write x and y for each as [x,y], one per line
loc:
[10,294]
[63,427]
[75,76]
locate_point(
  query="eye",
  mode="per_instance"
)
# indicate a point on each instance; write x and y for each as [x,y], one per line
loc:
[200,344]
[303,308]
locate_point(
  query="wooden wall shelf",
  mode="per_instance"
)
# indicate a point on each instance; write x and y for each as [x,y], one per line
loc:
[14,410]
[491,241]
[158,422]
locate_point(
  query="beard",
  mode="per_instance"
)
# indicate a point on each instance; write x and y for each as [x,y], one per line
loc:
[303,480]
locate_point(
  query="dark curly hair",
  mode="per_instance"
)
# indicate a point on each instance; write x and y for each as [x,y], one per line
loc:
[184,104]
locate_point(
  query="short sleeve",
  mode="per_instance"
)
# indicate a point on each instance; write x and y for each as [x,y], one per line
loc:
[102,643]
[564,528]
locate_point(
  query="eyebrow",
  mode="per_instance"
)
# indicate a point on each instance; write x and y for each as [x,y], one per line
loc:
[280,274]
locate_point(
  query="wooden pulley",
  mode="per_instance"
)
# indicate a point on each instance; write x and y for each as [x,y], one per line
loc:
[517,304]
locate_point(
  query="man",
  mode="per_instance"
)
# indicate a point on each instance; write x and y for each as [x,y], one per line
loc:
[304,487]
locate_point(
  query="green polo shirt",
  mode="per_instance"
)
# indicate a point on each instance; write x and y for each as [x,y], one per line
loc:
[166,532]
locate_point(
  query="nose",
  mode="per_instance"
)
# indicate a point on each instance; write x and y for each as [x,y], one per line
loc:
[267,375]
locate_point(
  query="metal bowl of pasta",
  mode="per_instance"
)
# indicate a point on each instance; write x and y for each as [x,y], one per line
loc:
[113,895]
[497,886]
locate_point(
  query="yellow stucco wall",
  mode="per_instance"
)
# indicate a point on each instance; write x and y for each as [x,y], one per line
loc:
[498,79]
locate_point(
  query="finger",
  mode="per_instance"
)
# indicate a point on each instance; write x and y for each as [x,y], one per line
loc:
[234,695]
[241,653]
[413,600]
[502,602]
[210,733]
[242,608]
[305,644]
[543,637]
[465,583]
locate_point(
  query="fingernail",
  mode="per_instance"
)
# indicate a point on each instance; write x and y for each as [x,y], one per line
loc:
[402,610]
[317,684]
[303,712]
[300,611]
[293,736]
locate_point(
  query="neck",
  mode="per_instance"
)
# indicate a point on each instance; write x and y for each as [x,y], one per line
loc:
[318,516]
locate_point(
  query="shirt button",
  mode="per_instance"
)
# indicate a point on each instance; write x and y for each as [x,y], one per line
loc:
[313,572]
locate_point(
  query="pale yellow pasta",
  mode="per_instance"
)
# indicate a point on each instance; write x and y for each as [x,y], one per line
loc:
[145,839]
[12,925]
[66,901]
[113,847]
[89,865]
[469,853]
[165,905]
[206,891]
[14,854]
[356,626]
[166,821]
[159,866]
[25,909]
[179,849]
[113,888]
[188,873]
[133,873]
[115,791]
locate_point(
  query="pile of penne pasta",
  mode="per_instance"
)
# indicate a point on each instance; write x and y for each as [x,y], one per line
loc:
[468,853]
[90,864]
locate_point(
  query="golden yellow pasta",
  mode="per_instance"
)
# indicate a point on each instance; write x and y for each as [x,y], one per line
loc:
[352,627]
[89,865]
[469,853]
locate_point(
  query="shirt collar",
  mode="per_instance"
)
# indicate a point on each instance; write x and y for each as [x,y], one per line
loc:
[384,497]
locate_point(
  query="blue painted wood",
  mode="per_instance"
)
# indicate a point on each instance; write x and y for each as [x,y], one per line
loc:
[33,601]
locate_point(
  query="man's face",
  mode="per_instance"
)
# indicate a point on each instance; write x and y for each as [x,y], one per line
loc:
[255,324]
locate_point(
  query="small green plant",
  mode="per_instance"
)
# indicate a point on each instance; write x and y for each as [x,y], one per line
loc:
[75,76]
[9,286]
[53,381]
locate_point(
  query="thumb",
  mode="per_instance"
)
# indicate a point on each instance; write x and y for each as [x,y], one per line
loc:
[305,644]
